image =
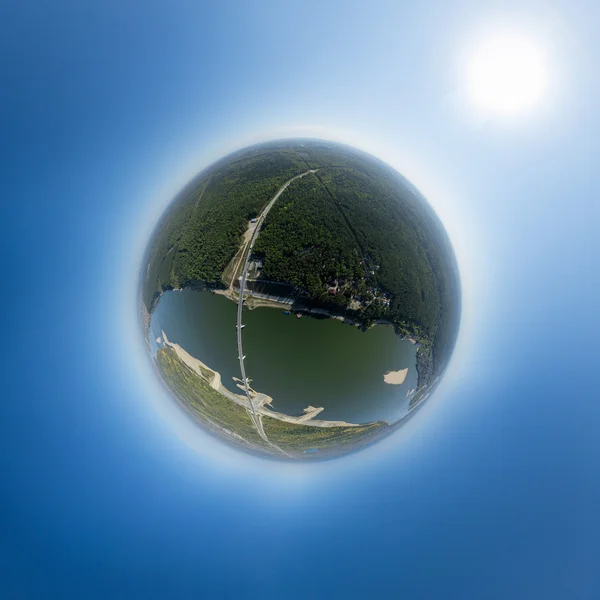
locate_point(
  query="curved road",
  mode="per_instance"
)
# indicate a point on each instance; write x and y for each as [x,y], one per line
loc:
[242,279]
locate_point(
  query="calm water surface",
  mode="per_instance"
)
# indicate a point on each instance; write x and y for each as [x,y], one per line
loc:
[298,362]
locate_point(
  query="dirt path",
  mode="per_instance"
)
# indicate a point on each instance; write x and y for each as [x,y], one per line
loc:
[251,233]
[239,257]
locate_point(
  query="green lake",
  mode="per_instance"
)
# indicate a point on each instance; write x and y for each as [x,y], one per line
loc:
[298,362]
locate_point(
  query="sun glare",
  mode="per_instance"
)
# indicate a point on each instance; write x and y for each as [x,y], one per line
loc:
[507,74]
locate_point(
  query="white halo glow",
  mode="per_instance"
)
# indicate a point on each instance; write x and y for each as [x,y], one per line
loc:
[132,351]
[506,74]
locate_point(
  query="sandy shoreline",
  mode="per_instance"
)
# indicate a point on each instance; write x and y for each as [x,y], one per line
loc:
[194,364]
[260,401]
[396,377]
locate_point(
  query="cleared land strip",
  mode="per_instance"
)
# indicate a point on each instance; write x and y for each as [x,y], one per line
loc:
[337,204]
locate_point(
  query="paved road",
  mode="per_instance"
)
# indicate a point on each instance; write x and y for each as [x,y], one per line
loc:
[255,417]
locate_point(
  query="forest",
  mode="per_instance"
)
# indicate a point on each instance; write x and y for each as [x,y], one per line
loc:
[340,230]
[354,236]
[201,230]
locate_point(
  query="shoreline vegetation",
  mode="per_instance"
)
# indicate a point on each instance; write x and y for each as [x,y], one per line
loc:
[253,301]
[349,239]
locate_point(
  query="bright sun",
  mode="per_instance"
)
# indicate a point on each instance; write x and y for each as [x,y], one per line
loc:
[506,74]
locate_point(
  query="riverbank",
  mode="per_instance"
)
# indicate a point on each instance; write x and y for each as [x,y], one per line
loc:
[212,377]
[232,422]
[424,361]
[260,402]
[254,300]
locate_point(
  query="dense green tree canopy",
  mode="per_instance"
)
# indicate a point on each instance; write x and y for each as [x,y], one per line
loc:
[353,236]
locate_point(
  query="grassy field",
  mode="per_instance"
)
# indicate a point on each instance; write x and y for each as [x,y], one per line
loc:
[323,442]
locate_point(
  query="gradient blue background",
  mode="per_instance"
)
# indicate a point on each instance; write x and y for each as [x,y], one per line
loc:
[490,492]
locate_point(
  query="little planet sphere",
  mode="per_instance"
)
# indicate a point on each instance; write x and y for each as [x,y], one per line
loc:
[300,299]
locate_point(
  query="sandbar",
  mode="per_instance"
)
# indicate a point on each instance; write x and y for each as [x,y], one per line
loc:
[396,377]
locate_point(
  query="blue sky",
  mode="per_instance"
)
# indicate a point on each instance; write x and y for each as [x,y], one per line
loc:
[108,491]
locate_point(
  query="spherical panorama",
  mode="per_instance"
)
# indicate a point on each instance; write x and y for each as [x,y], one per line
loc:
[300,299]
